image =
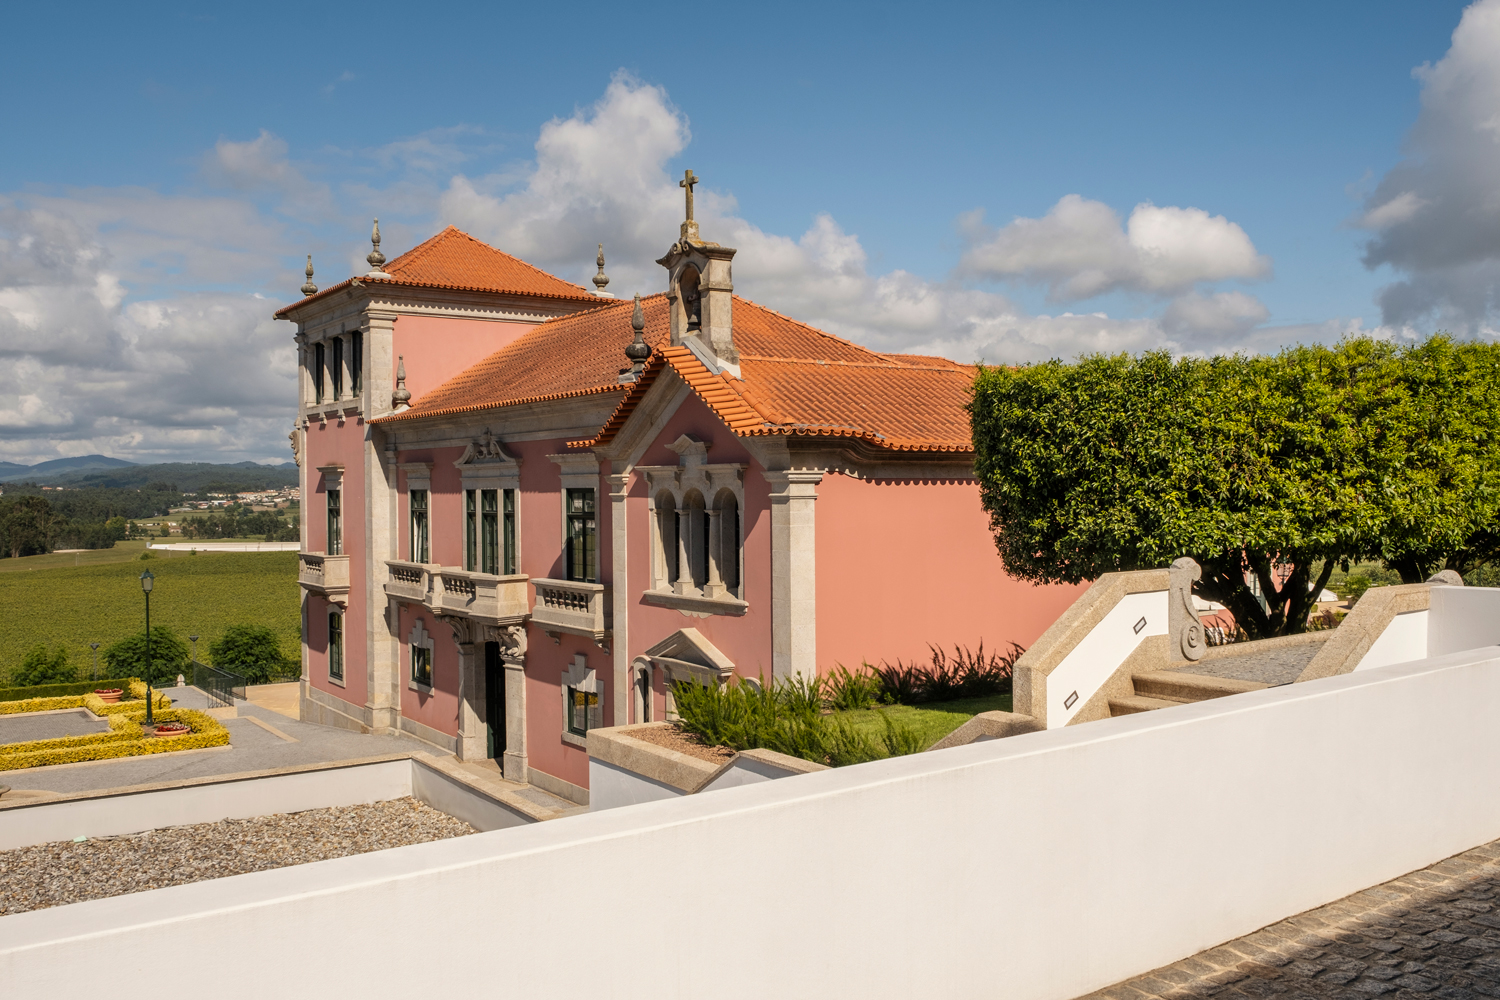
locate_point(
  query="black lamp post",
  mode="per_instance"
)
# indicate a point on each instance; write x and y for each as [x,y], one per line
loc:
[146,582]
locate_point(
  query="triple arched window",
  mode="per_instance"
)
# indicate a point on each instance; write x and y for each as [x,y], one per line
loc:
[697,530]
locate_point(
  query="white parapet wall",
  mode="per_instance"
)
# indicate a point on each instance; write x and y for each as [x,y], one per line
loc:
[115,812]
[1038,867]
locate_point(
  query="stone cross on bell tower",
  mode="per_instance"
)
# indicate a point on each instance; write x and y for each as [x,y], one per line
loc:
[700,292]
[689,227]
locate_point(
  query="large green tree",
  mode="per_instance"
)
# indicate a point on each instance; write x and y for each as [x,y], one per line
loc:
[1276,467]
[127,658]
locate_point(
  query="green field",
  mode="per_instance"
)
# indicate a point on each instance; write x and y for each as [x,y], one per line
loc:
[96,597]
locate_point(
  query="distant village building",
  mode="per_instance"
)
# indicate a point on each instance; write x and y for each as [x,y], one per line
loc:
[532,507]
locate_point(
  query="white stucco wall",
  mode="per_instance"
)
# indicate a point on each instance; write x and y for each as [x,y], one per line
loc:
[611,787]
[1040,866]
[1094,660]
[1463,618]
[1404,640]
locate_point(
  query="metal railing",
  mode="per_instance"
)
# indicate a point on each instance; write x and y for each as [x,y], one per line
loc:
[220,686]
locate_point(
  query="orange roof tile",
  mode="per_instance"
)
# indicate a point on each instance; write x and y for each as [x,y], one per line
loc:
[455,260]
[797,379]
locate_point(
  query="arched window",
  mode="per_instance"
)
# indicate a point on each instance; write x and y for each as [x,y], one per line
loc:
[666,533]
[693,526]
[726,545]
[335,645]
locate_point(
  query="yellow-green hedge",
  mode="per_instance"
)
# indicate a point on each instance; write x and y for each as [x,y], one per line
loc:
[90,701]
[125,739]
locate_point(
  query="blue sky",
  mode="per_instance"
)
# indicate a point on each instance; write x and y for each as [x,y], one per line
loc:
[1189,176]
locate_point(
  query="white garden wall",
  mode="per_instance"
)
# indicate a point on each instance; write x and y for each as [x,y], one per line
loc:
[1040,866]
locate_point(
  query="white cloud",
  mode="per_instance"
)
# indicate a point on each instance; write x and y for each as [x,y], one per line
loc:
[1435,217]
[1080,250]
[133,322]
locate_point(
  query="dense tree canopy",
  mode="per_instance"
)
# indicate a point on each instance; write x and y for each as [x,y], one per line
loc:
[253,652]
[1309,458]
[127,658]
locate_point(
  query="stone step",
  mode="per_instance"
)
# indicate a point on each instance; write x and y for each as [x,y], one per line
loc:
[1136,703]
[1180,685]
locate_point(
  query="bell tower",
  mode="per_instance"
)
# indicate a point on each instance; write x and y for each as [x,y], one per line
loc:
[700,291]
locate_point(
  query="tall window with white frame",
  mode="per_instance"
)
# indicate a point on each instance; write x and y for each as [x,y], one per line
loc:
[319,363]
[421,546]
[582,556]
[490,531]
[356,362]
[335,645]
[337,368]
[585,711]
[335,523]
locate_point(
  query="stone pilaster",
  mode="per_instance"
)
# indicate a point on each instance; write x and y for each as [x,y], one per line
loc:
[514,765]
[794,584]
[472,742]
[619,486]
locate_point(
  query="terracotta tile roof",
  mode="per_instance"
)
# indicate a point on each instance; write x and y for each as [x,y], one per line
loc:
[455,260]
[797,380]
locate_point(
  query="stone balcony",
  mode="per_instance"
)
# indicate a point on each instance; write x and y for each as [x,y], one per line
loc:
[494,600]
[324,574]
[574,607]
[448,590]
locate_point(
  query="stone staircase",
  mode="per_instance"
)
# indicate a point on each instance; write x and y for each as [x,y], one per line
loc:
[1164,688]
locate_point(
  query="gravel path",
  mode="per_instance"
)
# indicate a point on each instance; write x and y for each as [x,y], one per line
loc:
[32,878]
[71,722]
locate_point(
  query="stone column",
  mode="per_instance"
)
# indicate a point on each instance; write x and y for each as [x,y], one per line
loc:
[472,744]
[513,764]
[794,589]
[383,670]
[714,586]
[684,552]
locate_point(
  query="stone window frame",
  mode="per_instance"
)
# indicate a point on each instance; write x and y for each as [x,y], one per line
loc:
[694,474]
[581,472]
[418,476]
[580,677]
[333,481]
[489,467]
[335,613]
[420,638]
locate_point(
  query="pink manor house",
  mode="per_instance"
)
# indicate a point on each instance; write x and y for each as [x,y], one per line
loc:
[529,508]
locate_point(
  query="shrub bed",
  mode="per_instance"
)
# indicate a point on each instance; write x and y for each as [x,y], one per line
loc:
[90,701]
[126,738]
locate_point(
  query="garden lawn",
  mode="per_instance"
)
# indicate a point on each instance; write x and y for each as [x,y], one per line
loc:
[101,602]
[933,720]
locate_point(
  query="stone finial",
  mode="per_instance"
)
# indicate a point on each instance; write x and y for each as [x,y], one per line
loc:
[689,226]
[308,288]
[1184,627]
[400,398]
[637,351]
[375,258]
[601,279]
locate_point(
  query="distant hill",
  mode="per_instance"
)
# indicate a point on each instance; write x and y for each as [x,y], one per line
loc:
[49,471]
[188,477]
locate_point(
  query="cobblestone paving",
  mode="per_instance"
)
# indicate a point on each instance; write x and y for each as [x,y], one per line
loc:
[1431,934]
[1273,667]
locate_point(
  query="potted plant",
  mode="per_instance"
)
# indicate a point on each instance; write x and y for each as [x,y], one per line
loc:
[172,729]
[110,695]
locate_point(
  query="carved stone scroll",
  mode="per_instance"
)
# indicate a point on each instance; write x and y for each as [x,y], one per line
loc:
[1183,623]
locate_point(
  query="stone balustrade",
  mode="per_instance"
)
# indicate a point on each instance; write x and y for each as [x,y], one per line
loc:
[324,574]
[408,581]
[575,607]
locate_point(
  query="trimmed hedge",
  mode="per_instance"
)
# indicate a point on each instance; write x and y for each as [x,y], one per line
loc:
[57,690]
[206,732]
[90,701]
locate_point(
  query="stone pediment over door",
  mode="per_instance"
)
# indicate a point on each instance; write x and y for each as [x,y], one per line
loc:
[687,655]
